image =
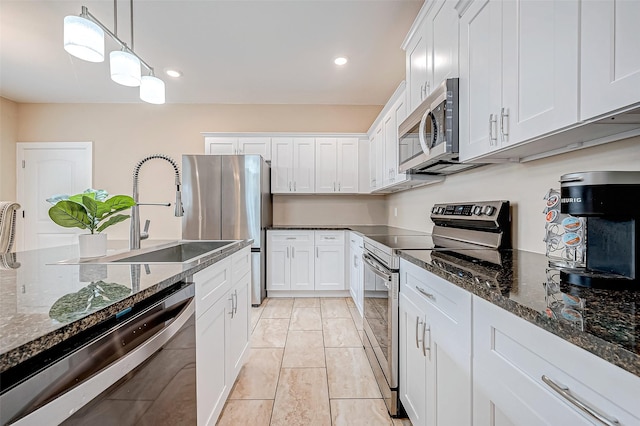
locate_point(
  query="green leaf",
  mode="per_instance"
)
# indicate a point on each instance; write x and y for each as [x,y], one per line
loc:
[120,202]
[102,210]
[90,205]
[113,220]
[78,197]
[70,215]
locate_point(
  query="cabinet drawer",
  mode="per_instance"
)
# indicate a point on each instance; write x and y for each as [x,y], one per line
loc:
[356,239]
[452,301]
[211,284]
[324,238]
[511,357]
[291,236]
[240,263]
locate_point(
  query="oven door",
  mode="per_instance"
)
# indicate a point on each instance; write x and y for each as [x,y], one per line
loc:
[381,317]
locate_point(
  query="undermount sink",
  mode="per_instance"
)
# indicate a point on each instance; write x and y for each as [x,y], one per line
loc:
[175,252]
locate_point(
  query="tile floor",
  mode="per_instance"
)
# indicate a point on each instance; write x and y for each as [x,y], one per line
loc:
[307,367]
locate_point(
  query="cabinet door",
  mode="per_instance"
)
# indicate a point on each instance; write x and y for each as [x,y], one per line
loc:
[279,265]
[443,32]
[239,327]
[373,162]
[255,145]
[212,336]
[326,167]
[539,68]
[281,165]
[390,130]
[417,67]
[304,165]
[610,68]
[380,160]
[412,361]
[480,77]
[399,111]
[347,168]
[302,266]
[329,274]
[220,145]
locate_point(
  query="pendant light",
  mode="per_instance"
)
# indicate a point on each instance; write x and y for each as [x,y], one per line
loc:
[84,38]
[125,68]
[152,89]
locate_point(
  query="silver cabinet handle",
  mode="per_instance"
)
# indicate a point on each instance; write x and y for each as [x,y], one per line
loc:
[592,412]
[424,340]
[294,186]
[231,300]
[334,187]
[429,295]
[293,252]
[235,309]
[504,113]
[492,120]
[318,252]
[339,184]
[427,87]
[329,238]
[289,186]
[287,252]
[421,91]
[355,261]
[418,322]
[291,238]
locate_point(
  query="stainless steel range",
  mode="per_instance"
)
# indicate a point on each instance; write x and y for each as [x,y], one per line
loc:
[475,229]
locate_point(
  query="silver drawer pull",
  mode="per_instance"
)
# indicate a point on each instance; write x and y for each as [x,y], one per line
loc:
[291,238]
[592,412]
[424,340]
[429,295]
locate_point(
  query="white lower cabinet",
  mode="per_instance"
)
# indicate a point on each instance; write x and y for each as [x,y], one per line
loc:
[524,375]
[305,261]
[222,332]
[356,270]
[435,349]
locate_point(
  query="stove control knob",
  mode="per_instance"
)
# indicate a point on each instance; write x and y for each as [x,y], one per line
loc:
[441,210]
[434,210]
[488,210]
[477,210]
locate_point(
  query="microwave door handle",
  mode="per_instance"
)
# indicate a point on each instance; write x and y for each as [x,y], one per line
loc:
[421,132]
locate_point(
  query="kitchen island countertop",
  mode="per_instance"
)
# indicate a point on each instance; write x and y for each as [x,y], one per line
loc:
[39,298]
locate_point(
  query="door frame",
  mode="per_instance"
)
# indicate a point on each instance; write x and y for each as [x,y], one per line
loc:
[21,147]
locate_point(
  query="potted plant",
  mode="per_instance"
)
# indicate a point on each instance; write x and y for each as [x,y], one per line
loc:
[91,210]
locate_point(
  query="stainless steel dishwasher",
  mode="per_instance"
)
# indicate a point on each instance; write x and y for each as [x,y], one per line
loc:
[110,373]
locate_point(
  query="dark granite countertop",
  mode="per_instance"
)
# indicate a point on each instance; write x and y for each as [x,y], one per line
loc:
[364,230]
[603,322]
[34,291]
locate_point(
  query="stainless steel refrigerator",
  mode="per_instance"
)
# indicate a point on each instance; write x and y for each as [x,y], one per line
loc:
[228,197]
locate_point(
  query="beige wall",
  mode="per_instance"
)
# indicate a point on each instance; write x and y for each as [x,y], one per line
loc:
[123,134]
[523,185]
[8,138]
[329,210]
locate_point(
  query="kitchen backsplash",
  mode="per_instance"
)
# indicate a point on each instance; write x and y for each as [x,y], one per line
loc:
[524,184]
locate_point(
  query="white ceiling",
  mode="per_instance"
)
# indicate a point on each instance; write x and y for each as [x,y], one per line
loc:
[259,52]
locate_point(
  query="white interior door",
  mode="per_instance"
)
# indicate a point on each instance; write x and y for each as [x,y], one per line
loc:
[45,169]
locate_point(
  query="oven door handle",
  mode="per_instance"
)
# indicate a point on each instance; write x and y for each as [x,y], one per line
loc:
[376,268]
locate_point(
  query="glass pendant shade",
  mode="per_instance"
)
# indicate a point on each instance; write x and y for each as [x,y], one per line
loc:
[152,89]
[83,39]
[125,68]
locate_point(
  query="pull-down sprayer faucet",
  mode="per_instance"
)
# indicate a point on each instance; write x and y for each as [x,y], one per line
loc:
[134,234]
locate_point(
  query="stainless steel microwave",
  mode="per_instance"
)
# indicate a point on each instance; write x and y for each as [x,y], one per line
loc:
[428,138]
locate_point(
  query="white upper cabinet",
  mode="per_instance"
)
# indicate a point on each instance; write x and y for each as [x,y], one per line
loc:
[373,162]
[518,72]
[293,165]
[223,145]
[431,50]
[336,165]
[610,56]
[416,49]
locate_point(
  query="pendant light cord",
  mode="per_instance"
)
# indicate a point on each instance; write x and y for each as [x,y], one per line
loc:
[115,17]
[131,7]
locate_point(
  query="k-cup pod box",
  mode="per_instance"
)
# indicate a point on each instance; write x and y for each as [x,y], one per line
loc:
[564,234]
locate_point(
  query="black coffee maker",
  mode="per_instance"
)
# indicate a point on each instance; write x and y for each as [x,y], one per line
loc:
[610,201]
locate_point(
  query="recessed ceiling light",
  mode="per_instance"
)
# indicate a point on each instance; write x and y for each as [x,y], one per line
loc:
[173,73]
[340,60]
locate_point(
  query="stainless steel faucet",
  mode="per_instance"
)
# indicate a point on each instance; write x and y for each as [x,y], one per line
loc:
[134,234]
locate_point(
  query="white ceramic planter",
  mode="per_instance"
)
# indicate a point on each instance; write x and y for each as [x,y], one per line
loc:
[92,245]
